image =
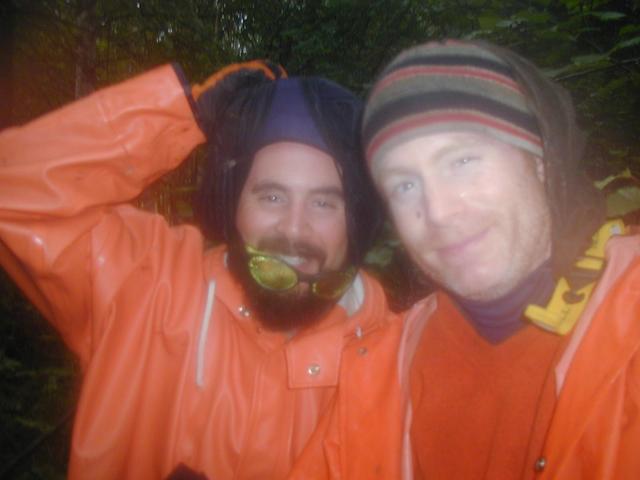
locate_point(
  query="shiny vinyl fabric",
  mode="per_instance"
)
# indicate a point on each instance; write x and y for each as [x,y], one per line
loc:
[176,368]
[594,431]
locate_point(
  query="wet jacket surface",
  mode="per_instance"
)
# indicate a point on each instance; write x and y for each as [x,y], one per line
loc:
[593,432]
[176,368]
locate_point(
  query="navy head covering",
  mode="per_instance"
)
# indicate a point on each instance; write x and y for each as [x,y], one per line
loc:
[289,119]
[309,110]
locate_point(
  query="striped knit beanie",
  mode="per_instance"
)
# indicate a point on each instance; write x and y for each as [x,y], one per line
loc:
[443,87]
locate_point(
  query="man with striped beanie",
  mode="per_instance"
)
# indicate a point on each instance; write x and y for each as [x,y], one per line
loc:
[526,360]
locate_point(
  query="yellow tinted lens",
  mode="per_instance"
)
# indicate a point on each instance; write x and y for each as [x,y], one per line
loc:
[271,273]
[333,285]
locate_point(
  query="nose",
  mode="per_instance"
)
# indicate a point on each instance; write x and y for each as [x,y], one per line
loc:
[294,222]
[441,202]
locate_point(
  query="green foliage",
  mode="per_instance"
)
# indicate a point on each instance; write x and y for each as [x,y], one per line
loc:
[622,193]
[38,379]
[592,47]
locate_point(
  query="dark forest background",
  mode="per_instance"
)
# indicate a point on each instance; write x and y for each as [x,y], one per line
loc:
[53,51]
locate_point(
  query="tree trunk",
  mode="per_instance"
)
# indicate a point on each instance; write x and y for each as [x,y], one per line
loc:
[87,24]
[7,26]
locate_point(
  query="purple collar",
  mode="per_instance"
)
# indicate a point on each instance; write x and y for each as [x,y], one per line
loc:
[496,320]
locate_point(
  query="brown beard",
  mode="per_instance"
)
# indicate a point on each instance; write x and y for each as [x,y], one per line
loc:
[279,311]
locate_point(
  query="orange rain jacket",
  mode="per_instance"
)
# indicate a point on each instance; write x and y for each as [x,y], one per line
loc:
[594,432]
[176,368]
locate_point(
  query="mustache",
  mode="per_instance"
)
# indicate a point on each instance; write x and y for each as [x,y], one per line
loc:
[283,246]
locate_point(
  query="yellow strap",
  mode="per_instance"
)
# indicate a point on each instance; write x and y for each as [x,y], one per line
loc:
[566,305]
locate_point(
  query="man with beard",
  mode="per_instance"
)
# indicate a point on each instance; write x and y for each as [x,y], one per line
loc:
[225,362]
[526,363]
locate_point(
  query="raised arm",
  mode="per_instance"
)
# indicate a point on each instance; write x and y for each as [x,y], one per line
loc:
[63,174]
[67,236]
[101,150]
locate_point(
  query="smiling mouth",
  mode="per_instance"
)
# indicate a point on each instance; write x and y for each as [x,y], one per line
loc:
[458,248]
[292,260]
[309,265]
[302,256]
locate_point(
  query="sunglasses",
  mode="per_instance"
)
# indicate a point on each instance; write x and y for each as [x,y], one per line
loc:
[274,274]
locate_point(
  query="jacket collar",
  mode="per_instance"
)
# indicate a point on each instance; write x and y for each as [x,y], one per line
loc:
[603,343]
[313,356]
[617,334]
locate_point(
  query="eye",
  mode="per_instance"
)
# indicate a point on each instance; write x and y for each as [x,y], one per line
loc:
[325,203]
[402,188]
[399,186]
[271,198]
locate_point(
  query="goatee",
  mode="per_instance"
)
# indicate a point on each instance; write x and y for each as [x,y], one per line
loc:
[291,310]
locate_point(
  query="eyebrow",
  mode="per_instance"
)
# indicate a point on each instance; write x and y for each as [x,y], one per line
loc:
[261,187]
[333,191]
[268,185]
[439,153]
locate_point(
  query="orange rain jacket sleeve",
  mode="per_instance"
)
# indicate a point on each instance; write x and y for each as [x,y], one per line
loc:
[60,177]
[176,369]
